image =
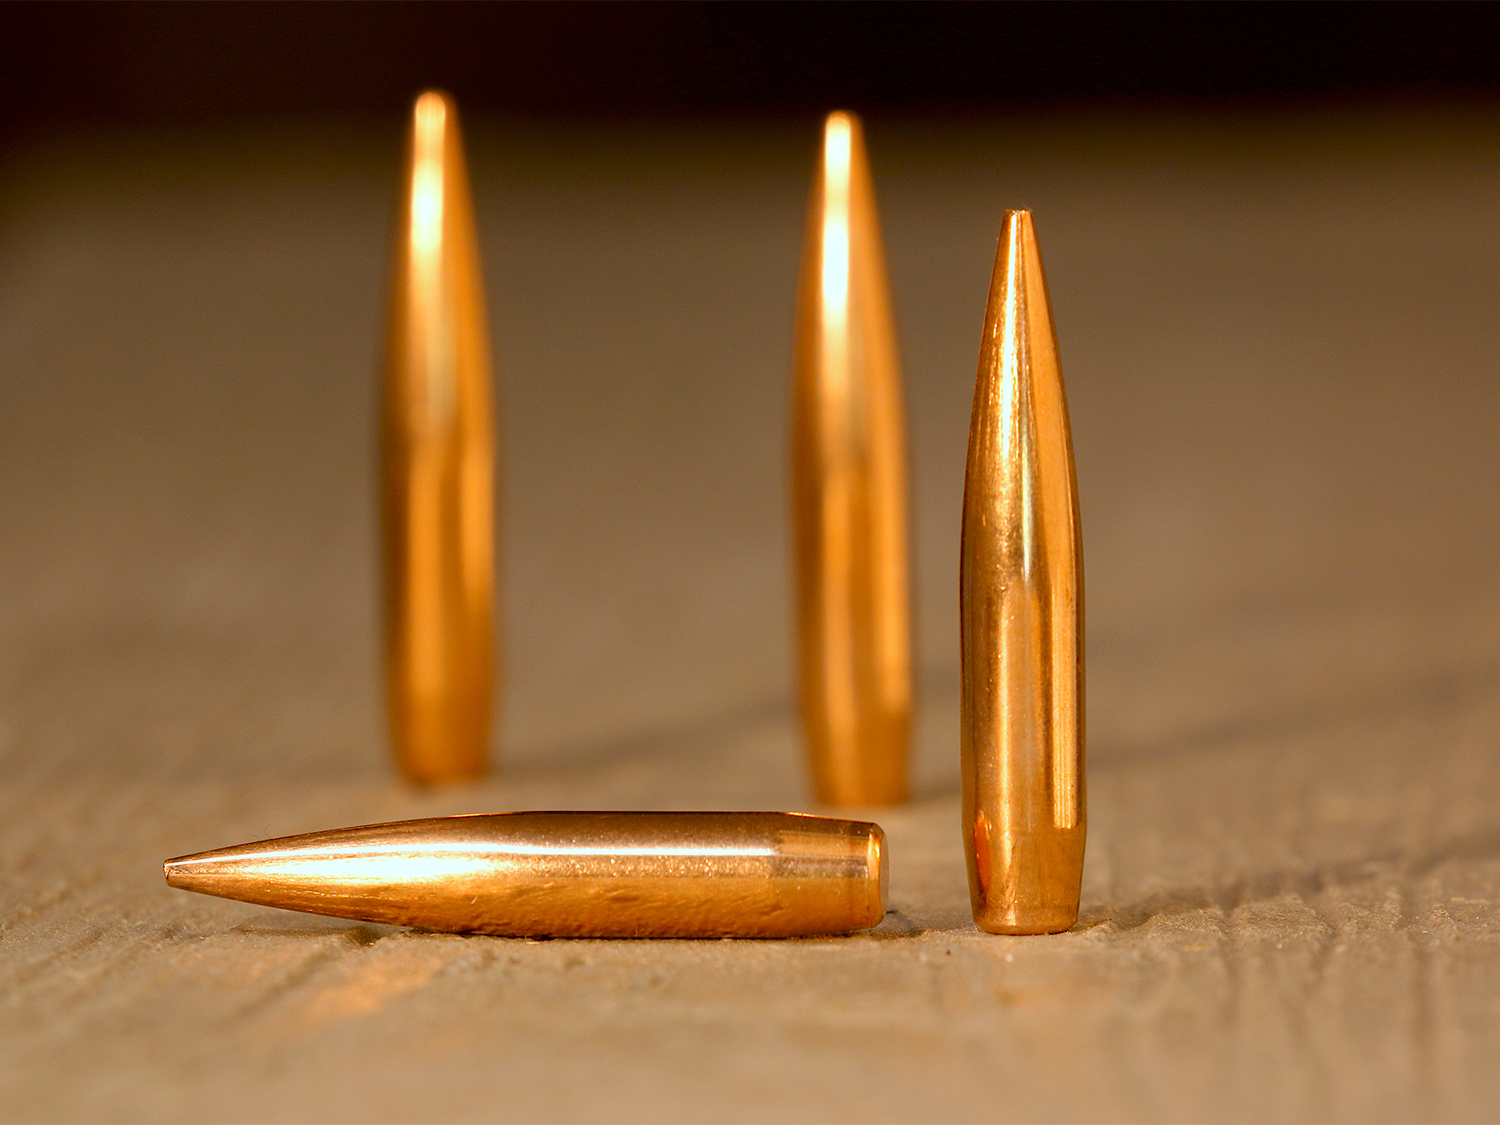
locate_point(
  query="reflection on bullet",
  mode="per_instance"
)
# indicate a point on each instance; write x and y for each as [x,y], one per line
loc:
[570,874]
[1021,614]
[849,491]
[438,468]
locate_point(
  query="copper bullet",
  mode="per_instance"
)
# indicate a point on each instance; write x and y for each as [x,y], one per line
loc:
[1021,614]
[570,874]
[438,467]
[849,491]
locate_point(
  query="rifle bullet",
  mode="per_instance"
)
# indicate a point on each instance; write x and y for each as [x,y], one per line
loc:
[438,453]
[849,491]
[569,874]
[1021,614]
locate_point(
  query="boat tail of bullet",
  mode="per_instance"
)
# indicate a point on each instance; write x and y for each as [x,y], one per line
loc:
[570,874]
[438,454]
[849,492]
[1021,614]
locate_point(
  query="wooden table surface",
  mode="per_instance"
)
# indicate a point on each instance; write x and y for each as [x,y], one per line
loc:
[1282,347]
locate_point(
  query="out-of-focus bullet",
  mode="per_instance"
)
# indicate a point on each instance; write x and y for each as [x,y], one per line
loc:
[439,460]
[1021,614]
[570,874]
[849,491]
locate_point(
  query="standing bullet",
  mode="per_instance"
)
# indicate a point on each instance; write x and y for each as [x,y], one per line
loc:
[438,468]
[569,874]
[849,491]
[1021,614]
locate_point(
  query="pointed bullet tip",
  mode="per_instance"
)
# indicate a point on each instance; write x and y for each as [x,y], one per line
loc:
[1019,234]
[434,99]
[432,115]
[1019,220]
[184,872]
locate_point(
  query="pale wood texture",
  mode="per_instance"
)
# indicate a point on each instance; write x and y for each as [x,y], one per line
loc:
[1281,349]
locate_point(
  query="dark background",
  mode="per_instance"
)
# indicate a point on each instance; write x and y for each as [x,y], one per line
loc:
[187,62]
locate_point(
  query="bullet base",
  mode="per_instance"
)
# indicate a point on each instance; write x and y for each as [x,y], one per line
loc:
[1057,923]
[1027,884]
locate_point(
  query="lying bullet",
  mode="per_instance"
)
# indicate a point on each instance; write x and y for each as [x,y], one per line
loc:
[438,453]
[1021,614]
[570,874]
[849,491]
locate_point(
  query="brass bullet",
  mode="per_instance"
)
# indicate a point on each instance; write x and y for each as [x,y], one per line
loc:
[1021,614]
[570,874]
[438,454]
[849,491]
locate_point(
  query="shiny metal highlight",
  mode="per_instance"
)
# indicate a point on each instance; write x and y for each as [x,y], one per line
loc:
[1021,614]
[849,491]
[439,465]
[570,874]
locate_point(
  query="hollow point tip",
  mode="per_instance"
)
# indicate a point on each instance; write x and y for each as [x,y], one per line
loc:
[187,872]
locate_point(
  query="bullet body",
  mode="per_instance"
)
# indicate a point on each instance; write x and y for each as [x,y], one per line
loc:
[570,874]
[1021,615]
[438,456]
[849,492]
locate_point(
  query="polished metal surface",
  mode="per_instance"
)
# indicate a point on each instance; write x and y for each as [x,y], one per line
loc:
[570,874]
[849,491]
[438,453]
[1021,614]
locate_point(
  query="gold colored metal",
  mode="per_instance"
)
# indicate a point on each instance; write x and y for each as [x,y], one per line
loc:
[1021,614]
[439,460]
[849,491]
[570,874]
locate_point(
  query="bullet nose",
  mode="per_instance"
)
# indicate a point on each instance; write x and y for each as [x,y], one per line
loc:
[186,872]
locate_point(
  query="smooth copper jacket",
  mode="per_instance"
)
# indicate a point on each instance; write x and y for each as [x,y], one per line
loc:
[570,874]
[1021,614]
[849,491]
[438,468]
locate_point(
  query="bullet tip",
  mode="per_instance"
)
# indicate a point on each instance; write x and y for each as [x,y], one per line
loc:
[186,872]
[1019,226]
[433,99]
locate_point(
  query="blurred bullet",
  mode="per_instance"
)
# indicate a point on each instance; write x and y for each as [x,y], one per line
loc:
[1021,614]
[569,874]
[849,491]
[438,468]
